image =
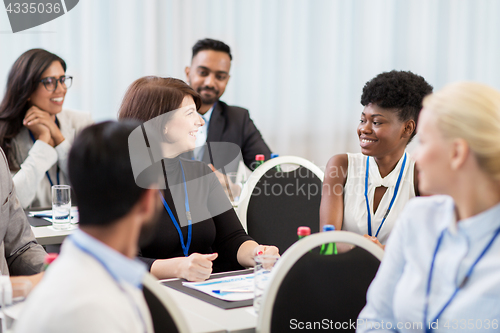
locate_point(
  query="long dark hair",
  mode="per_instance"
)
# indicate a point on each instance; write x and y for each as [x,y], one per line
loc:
[23,80]
[152,96]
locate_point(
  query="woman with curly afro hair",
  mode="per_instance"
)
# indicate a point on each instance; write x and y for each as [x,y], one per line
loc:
[365,192]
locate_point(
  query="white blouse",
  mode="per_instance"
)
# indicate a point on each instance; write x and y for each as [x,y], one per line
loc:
[32,185]
[355,212]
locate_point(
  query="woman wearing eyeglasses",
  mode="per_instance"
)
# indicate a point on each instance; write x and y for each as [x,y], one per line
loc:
[35,132]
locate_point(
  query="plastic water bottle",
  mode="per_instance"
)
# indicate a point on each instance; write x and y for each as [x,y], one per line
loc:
[49,258]
[303,232]
[278,168]
[329,248]
[259,160]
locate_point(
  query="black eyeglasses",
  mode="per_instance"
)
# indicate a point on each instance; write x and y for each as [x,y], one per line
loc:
[50,83]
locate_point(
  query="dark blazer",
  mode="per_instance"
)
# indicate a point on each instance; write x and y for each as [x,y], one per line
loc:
[232,124]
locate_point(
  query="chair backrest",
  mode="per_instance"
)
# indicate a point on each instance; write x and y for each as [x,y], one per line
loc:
[165,314]
[274,204]
[308,287]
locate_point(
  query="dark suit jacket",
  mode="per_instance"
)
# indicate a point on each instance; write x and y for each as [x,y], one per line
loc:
[232,124]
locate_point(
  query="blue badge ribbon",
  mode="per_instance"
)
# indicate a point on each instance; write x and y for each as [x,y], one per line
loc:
[396,189]
[428,328]
[185,247]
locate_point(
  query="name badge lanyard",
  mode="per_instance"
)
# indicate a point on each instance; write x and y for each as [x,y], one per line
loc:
[392,200]
[129,297]
[460,286]
[185,247]
[57,166]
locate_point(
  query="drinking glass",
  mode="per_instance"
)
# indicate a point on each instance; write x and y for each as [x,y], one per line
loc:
[234,191]
[262,274]
[61,207]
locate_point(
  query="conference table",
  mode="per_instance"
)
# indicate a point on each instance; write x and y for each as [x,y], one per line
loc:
[203,317]
[46,234]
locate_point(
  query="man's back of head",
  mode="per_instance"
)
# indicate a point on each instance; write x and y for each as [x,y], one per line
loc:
[101,175]
[95,276]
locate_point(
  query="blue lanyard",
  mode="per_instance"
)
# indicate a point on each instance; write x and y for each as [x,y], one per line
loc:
[392,200]
[47,172]
[185,247]
[461,285]
[85,250]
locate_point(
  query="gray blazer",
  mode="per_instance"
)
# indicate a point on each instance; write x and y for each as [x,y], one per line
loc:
[20,252]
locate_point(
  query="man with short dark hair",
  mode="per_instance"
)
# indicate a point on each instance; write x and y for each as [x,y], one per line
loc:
[209,75]
[95,285]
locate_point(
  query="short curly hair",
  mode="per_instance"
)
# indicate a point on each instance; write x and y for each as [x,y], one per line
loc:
[400,90]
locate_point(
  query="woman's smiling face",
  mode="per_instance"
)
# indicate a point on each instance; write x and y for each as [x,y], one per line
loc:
[50,101]
[183,125]
[380,131]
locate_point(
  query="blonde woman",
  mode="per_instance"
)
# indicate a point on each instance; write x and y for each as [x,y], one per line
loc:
[442,266]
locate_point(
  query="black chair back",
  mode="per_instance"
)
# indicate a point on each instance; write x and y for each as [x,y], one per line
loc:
[162,320]
[280,203]
[319,287]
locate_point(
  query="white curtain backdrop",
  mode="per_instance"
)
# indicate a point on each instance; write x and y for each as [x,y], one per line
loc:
[299,66]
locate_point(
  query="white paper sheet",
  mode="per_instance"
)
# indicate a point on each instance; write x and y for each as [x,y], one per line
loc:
[241,285]
[47,214]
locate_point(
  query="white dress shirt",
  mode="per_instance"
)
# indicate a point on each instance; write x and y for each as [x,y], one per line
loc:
[201,135]
[397,294]
[90,287]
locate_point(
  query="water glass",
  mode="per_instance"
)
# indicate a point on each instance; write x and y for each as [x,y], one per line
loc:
[262,274]
[61,207]
[233,190]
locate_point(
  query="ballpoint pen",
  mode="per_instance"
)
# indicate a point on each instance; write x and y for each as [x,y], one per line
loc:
[220,291]
[42,215]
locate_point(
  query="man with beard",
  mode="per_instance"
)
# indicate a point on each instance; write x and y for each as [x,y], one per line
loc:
[208,75]
[95,284]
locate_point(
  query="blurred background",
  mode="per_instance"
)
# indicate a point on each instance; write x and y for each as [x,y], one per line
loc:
[299,66]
